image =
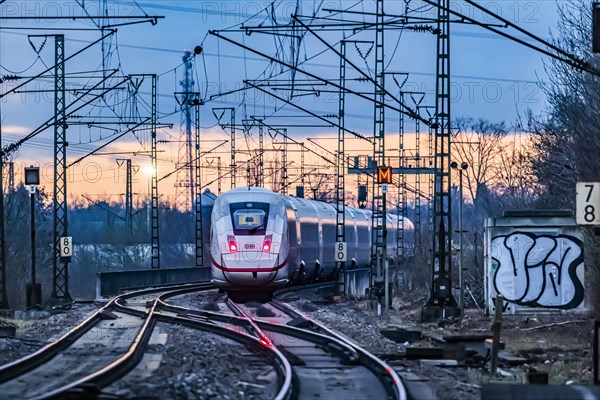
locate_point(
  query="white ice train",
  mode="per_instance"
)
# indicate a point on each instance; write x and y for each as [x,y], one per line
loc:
[261,240]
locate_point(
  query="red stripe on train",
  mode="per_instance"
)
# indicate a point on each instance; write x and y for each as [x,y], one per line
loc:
[225,269]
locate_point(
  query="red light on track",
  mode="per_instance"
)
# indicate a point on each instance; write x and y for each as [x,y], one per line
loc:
[266,342]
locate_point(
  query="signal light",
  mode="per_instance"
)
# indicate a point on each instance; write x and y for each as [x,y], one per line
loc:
[266,247]
[233,247]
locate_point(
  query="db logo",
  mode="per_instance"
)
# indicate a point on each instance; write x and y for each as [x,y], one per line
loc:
[249,246]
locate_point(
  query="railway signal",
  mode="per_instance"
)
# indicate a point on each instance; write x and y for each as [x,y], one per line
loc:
[34,290]
[384,175]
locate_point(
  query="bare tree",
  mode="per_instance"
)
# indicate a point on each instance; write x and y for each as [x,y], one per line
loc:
[566,139]
[515,185]
[478,142]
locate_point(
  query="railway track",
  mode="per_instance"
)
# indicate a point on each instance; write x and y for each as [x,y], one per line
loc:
[309,359]
[325,364]
[96,353]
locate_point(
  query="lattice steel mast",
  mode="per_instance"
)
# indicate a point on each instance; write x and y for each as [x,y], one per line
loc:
[129,197]
[442,304]
[60,266]
[183,182]
[340,233]
[378,245]
[198,184]
[3,295]
[155,232]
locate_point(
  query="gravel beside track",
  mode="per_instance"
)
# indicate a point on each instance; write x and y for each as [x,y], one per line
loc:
[35,333]
[353,319]
[350,318]
[198,365]
[206,301]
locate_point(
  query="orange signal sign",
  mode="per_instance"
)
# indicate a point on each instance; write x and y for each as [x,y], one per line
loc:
[384,175]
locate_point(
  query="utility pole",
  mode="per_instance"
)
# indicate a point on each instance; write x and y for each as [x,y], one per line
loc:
[60,265]
[11,176]
[154,206]
[340,234]
[232,165]
[183,182]
[284,158]
[219,117]
[3,293]
[128,194]
[379,288]
[219,175]
[261,154]
[441,303]
[198,184]
[401,205]
[155,262]
[129,198]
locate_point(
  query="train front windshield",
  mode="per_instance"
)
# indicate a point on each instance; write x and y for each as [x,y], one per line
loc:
[249,218]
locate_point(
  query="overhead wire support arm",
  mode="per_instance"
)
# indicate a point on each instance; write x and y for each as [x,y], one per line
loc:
[71,18]
[298,143]
[62,62]
[407,110]
[331,123]
[572,60]
[186,165]
[143,122]
[386,105]
[404,18]
[50,122]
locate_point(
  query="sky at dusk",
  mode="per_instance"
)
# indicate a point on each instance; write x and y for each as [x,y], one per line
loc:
[492,78]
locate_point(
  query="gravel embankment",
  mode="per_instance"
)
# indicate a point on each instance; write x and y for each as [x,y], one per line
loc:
[34,334]
[199,365]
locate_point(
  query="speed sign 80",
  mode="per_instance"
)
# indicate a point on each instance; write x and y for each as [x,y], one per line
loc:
[340,251]
[66,246]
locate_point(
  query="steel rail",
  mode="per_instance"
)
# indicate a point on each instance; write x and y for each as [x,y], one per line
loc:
[120,367]
[376,365]
[128,361]
[31,361]
[116,369]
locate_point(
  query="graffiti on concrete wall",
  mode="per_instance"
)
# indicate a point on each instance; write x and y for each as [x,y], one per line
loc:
[538,270]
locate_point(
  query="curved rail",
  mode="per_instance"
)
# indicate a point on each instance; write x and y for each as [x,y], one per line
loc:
[124,364]
[375,364]
[18,367]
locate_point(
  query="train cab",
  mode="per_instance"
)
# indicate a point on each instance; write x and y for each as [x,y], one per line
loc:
[249,240]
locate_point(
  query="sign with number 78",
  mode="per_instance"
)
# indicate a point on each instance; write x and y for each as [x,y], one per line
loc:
[588,203]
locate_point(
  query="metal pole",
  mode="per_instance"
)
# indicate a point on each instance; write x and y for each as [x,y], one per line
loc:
[129,198]
[60,266]
[461,276]
[155,231]
[34,300]
[198,184]
[341,172]
[3,294]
